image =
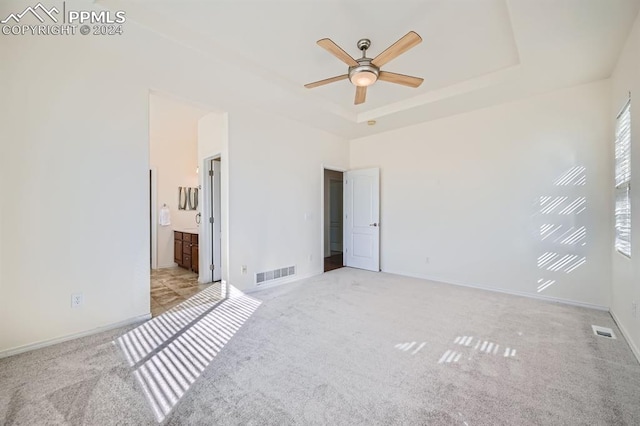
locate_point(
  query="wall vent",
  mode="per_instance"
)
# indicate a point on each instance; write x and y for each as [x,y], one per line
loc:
[603,331]
[263,277]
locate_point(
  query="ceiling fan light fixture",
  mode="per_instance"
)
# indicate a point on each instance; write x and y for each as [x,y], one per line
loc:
[363,78]
[364,74]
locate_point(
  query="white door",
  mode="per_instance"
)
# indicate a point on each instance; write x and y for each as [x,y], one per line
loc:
[362,219]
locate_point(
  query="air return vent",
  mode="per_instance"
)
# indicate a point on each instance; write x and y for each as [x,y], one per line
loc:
[276,274]
[603,332]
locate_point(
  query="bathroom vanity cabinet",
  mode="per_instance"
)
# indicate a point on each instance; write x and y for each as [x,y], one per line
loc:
[185,250]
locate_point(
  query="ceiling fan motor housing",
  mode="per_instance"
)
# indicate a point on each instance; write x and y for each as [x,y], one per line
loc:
[365,73]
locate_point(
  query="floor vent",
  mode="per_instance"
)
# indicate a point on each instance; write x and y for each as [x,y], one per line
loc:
[263,277]
[603,331]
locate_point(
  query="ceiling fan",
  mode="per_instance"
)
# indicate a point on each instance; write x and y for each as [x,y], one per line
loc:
[365,71]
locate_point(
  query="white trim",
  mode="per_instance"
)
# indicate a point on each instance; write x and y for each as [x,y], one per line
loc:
[626,336]
[504,291]
[281,281]
[204,228]
[154,217]
[50,342]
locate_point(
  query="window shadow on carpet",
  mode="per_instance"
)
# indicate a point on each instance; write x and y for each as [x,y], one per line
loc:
[169,352]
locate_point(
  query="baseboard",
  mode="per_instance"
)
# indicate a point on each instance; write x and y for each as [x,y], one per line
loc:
[50,342]
[627,336]
[504,291]
[282,281]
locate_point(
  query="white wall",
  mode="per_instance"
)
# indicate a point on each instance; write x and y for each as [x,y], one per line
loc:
[75,216]
[464,192]
[76,140]
[173,138]
[626,272]
[275,180]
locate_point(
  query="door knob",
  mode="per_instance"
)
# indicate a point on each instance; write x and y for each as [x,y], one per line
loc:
[373,224]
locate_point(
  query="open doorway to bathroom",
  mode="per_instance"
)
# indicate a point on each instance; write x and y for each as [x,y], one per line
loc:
[333,219]
[175,202]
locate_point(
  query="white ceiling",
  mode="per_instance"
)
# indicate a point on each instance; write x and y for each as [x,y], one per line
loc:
[474,53]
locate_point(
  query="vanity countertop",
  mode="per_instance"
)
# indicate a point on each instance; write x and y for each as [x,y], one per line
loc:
[187,230]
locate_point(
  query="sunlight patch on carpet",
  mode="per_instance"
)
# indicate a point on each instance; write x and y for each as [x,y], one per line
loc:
[170,352]
[410,346]
[466,349]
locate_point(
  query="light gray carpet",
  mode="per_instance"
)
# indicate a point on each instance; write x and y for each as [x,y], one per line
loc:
[352,347]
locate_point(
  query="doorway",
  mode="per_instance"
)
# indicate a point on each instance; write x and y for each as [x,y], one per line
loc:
[174,194]
[333,219]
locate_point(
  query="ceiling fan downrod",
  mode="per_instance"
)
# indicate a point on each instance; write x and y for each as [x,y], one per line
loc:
[364,44]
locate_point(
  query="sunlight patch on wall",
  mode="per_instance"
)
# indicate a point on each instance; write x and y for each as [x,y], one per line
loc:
[169,354]
[562,237]
[562,205]
[573,235]
[554,262]
[576,176]
[543,284]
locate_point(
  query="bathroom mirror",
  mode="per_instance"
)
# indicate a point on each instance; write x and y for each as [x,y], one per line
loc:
[187,198]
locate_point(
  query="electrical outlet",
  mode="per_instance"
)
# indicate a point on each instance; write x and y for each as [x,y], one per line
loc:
[310,258]
[76,300]
[634,309]
[426,260]
[243,269]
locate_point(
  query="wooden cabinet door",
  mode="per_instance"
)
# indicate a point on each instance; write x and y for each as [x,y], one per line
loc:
[177,252]
[194,258]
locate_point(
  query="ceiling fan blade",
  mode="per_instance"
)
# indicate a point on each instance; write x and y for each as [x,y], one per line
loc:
[325,81]
[361,95]
[337,51]
[405,80]
[410,40]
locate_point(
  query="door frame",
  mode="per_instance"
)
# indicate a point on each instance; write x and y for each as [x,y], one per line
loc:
[153,216]
[324,167]
[206,230]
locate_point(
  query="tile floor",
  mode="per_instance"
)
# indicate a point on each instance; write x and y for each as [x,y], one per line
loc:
[171,286]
